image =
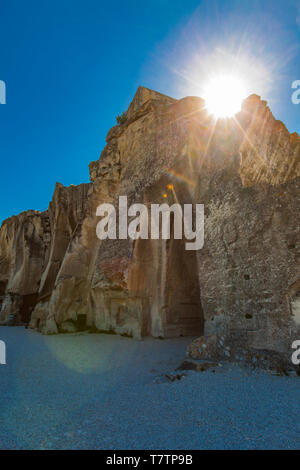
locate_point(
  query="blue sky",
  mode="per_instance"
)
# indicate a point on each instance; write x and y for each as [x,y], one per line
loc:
[70,66]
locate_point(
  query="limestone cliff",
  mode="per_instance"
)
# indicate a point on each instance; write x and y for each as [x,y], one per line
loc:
[243,285]
[33,246]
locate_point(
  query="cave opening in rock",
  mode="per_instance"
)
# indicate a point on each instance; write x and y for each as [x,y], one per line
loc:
[183,310]
[3,285]
[28,303]
[81,324]
[165,276]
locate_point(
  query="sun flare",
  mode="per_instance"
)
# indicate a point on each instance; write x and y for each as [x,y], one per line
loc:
[224,95]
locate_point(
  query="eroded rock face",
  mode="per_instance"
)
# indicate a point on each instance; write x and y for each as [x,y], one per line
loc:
[249,267]
[146,287]
[243,286]
[23,248]
[33,246]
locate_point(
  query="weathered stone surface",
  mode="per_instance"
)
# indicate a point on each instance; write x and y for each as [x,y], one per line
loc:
[32,248]
[23,247]
[243,286]
[68,327]
[269,153]
[125,286]
[205,347]
[249,267]
[49,327]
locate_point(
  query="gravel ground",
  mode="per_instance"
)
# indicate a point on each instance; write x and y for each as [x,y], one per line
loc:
[89,391]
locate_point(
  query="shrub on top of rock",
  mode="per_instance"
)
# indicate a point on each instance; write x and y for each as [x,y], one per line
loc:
[121,118]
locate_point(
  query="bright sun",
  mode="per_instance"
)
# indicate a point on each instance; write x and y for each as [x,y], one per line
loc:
[224,95]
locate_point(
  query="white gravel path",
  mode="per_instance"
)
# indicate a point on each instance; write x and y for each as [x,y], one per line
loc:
[89,391]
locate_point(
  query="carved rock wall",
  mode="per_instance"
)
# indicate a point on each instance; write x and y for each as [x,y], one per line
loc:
[243,284]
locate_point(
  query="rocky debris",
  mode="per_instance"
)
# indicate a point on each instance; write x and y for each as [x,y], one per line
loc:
[188,365]
[204,347]
[239,294]
[218,349]
[199,366]
[174,377]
